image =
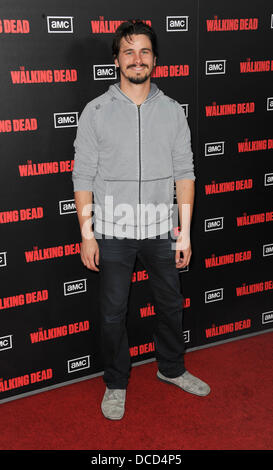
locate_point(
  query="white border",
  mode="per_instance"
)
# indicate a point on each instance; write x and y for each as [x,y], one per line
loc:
[214,143]
[79,291]
[60,207]
[77,359]
[180,30]
[216,73]
[105,65]
[62,32]
[217,228]
[214,290]
[61,114]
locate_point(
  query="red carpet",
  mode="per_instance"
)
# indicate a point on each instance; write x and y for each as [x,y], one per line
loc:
[237,415]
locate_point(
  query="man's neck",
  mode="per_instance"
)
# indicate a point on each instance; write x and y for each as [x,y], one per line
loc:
[136,92]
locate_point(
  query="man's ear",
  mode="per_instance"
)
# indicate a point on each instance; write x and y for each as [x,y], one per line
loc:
[116,62]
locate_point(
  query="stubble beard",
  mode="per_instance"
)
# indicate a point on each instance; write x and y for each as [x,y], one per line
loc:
[137,79]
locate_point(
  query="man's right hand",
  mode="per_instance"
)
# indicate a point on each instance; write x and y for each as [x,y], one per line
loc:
[90,254]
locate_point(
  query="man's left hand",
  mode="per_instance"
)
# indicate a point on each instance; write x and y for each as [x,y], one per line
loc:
[183,245]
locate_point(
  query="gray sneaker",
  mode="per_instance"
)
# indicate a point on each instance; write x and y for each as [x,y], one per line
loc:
[113,403]
[187,382]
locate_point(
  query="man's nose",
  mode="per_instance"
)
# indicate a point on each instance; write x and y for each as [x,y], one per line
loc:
[138,58]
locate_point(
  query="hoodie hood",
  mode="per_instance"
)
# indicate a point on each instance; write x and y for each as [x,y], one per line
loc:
[117,93]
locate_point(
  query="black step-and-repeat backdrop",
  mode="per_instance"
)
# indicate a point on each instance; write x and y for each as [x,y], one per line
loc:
[216,60]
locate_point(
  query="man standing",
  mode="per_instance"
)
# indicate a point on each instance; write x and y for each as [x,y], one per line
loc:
[132,143]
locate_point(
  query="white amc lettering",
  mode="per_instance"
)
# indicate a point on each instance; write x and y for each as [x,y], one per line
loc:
[216,67]
[105,72]
[79,364]
[177,23]
[60,24]
[215,223]
[214,148]
[75,287]
[66,120]
[214,295]
[69,206]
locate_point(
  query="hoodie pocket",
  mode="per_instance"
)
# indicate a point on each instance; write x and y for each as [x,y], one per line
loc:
[121,198]
[157,198]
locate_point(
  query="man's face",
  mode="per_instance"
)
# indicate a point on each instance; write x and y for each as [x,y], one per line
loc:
[135,59]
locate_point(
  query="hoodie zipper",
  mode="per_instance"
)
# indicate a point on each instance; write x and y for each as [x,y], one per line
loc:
[139,147]
[139,159]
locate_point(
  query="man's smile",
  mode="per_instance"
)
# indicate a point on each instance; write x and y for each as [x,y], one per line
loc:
[137,67]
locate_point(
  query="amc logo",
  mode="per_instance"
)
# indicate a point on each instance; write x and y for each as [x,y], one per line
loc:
[214,295]
[60,24]
[104,72]
[65,120]
[74,365]
[177,23]
[67,207]
[75,287]
[214,224]
[5,342]
[214,67]
[214,148]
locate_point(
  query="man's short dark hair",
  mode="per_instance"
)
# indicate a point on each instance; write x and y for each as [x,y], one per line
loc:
[127,28]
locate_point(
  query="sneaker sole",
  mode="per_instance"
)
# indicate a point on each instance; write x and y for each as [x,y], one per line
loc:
[113,419]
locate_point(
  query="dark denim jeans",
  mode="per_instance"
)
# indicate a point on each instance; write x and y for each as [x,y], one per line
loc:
[117,261]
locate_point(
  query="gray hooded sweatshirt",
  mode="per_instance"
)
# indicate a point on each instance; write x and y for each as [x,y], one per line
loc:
[129,156]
